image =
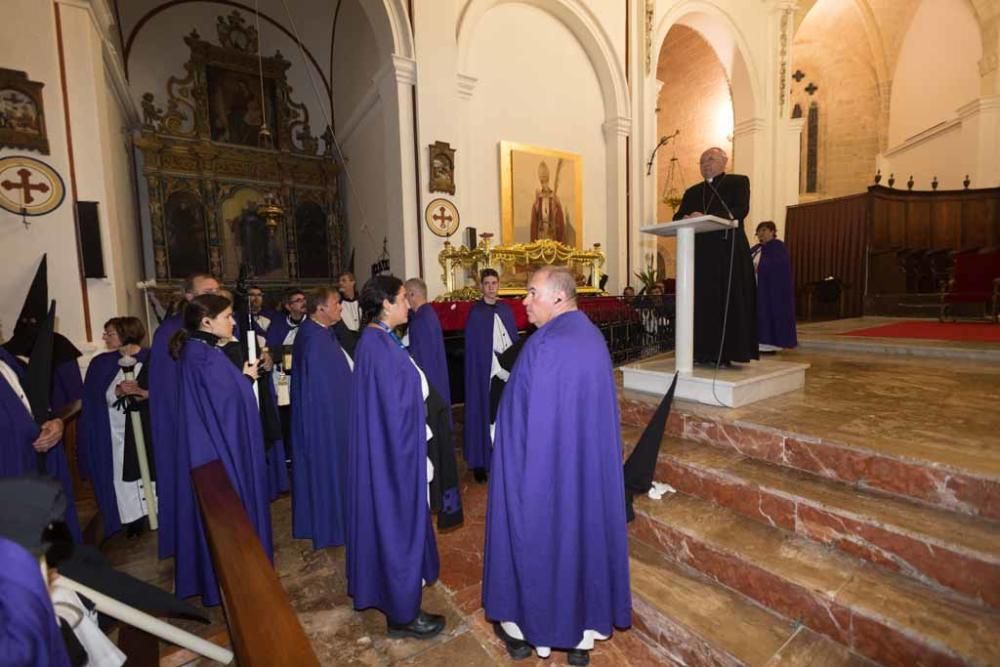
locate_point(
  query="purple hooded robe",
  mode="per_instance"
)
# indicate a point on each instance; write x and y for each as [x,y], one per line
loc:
[556,554]
[477,445]
[390,541]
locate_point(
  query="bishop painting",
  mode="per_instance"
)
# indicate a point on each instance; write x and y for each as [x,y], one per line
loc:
[540,194]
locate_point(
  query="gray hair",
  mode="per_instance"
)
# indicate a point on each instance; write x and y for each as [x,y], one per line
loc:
[417,285]
[559,279]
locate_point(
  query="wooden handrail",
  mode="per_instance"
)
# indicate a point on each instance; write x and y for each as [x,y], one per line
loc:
[262,624]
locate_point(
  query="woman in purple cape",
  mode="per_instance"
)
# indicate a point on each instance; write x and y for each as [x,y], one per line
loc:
[391,551]
[218,420]
[775,291]
[105,428]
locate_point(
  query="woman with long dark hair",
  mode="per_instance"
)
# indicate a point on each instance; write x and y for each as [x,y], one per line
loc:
[106,445]
[218,420]
[391,551]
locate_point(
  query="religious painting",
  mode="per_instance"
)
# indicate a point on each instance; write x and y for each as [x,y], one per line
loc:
[541,194]
[184,228]
[311,236]
[246,238]
[236,112]
[22,117]
[442,157]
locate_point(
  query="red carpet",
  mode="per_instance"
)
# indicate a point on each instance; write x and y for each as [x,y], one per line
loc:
[978,332]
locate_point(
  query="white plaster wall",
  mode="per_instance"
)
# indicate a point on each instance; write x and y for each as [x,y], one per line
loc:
[360,129]
[937,70]
[159,52]
[535,86]
[28,43]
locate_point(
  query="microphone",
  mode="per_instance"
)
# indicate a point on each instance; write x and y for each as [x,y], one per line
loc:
[722,201]
[663,142]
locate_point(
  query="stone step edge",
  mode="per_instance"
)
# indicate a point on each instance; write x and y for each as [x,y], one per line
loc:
[938,492]
[645,606]
[905,567]
[891,624]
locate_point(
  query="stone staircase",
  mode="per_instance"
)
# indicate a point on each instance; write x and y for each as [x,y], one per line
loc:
[785,549]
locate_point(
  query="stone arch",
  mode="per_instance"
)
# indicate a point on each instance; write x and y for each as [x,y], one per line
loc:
[610,74]
[391,25]
[588,32]
[705,17]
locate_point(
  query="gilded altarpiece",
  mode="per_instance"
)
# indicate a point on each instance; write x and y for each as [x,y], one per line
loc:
[207,169]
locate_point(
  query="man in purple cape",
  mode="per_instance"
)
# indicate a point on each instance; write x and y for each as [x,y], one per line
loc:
[489,330]
[21,434]
[321,394]
[218,420]
[94,440]
[426,338]
[163,413]
[775,291]
[555,568]
[391,550]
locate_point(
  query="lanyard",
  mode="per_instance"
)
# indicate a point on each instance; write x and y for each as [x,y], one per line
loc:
[385,327]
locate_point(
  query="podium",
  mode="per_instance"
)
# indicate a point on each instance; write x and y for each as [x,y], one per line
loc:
[728,387]
[685,230]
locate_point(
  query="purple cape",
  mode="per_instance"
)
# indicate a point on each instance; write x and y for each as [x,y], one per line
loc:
[163,413]
[218,420]
[321,393]
[427,348]
[390,541]
[29,633]
[775,296]
[277,331]
[17,456]
[277,469]
[556,554]
[67,384]
[94,435]
[478,354]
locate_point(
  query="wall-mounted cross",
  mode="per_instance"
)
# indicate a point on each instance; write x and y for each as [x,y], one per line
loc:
[442,217]
[798,75]
[25,185]
[811,88]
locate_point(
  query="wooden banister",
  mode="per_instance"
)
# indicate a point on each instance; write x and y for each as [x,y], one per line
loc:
[262,624]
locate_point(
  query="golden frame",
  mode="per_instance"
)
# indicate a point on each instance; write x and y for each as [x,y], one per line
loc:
[507,188]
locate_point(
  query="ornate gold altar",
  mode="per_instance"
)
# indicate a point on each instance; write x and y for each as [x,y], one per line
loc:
[233,172]
[515,263]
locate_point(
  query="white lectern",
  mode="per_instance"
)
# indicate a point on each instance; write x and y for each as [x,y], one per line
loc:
[685,230]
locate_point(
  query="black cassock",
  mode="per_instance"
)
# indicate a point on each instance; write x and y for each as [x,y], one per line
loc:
[712,251]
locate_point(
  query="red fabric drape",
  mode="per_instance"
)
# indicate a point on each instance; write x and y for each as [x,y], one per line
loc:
[829,238]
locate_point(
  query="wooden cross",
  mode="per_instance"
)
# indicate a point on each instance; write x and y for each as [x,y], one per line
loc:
[442,217]
[25,185]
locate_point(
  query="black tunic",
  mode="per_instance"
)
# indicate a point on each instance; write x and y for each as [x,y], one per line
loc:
[712,251]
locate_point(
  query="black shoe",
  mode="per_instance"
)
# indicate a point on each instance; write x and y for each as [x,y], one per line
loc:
[424,626]
[517,649]
[578,657]
[481,475]
[135,528]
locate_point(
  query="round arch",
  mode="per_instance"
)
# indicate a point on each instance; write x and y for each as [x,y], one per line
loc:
[588,32]
[703,16]
[391,25]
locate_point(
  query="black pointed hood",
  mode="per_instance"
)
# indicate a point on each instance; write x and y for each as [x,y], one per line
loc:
[640,467]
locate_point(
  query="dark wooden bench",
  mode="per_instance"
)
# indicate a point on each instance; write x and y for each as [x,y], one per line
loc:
[976,280]
[263,627]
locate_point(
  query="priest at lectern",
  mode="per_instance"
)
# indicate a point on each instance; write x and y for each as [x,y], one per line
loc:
[722,337]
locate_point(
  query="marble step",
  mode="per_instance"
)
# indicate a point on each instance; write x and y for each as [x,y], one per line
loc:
[898,473]
[937,547]
[699,622]
[884,616]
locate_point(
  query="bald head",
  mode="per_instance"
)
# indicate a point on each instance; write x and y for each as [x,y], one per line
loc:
[416,292]
[551,292]
[713,162]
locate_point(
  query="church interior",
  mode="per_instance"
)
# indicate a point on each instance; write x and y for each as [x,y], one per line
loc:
[834,502]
